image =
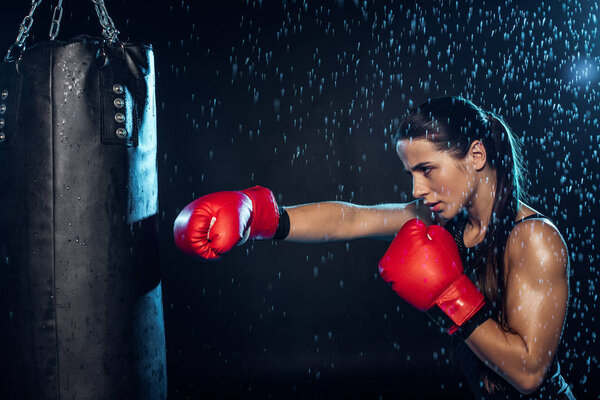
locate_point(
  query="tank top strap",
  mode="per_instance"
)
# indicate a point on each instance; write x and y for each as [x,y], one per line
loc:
[532,216]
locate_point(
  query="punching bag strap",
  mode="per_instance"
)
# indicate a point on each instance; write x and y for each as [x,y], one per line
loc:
[19,44]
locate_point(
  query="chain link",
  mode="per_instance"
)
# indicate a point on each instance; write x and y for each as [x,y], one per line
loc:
[56,17]
[109,31]
[19,44]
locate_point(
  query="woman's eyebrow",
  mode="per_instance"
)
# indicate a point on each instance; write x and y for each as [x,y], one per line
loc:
[419,166]
[416,167]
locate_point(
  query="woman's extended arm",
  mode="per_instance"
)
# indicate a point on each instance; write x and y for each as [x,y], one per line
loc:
[329,221]
[213,224]
[537,294]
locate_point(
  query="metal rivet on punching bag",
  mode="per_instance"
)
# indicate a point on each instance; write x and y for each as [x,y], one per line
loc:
[2,137]
[119,103]
[2,108]
[121,133]
[4,94]
[118,89]
[2,123]
[120,118]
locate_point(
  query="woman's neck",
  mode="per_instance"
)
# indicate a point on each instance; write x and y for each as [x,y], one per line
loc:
[479,209]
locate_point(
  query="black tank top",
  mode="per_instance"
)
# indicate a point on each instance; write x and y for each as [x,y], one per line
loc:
[553,386]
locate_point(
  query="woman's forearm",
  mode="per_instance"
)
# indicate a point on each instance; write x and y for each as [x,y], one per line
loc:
[320,222]
[330,221]
[508,355]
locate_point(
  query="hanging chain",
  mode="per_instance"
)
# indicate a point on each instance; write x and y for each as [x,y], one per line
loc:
[56,17]
[109,31]
[19,44]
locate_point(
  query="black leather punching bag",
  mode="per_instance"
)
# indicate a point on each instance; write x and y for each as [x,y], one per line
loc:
[80,294]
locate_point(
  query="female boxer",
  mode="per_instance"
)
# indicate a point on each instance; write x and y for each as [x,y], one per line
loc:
[506,311]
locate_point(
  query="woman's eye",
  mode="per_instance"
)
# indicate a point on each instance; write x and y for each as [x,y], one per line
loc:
[426,170]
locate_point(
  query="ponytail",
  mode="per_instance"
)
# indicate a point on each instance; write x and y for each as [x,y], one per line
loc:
[510,179]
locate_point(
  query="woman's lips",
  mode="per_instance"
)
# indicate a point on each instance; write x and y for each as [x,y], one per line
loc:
[435,206]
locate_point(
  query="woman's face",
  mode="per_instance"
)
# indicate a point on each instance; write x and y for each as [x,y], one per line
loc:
[442,181]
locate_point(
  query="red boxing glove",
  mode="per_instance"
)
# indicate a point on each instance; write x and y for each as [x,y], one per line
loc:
[424,268]
[213,224]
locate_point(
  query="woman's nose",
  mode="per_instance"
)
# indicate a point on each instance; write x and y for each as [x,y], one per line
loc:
[419,190]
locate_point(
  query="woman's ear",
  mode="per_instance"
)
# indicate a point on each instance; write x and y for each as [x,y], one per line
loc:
[477,155]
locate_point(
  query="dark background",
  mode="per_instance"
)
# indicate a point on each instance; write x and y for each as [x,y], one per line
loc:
[301,97]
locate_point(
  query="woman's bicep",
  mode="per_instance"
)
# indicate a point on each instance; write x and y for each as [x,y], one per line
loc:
[537,289]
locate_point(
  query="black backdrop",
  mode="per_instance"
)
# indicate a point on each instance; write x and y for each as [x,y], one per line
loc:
[301,97]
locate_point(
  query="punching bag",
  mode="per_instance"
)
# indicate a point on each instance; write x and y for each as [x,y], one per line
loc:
[80,293]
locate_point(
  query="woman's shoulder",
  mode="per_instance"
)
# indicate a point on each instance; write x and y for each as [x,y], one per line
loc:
[534,235]
[530,223]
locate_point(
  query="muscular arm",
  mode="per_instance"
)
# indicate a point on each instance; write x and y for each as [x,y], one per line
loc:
[329,221]
[537,293]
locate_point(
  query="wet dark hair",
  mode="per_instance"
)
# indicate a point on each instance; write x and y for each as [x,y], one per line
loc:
[452,124]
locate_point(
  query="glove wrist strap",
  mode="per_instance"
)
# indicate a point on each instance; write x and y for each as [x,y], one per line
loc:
[265,214]
[465,330]
[283,229]
[448,326]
